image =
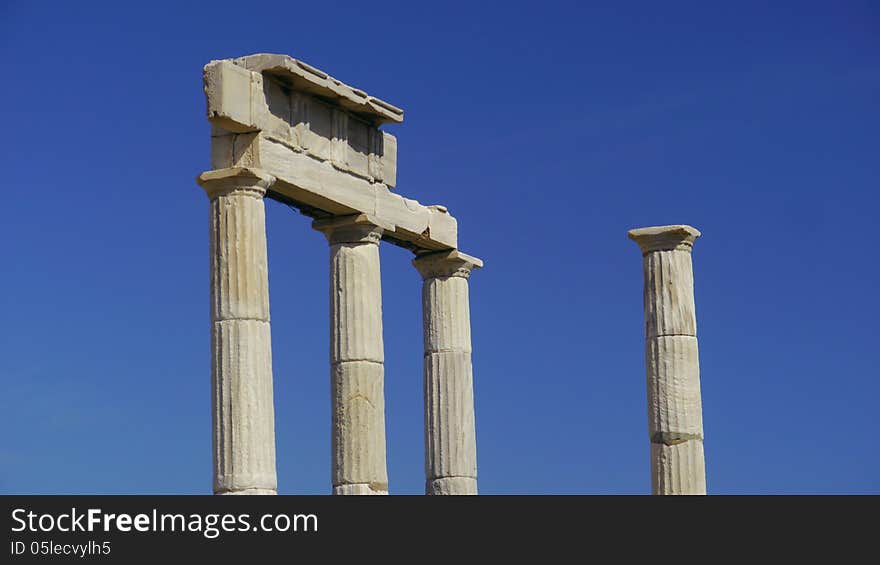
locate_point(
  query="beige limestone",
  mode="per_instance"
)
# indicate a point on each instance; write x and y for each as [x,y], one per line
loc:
[669,293]
[675,417]
[243,420]
[450,435]
[678,469]
[356,355]
[452,486]
[674,393]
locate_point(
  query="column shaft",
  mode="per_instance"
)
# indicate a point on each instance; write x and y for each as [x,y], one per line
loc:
[243,418]
[675,422]
[450,434]
[356,356]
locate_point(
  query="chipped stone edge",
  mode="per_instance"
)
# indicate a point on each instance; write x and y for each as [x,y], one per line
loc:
[316,81]
[665,238]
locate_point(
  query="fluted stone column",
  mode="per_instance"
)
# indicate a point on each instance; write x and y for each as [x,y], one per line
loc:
[450,437]
[357,358]
[675,417]
[243,415]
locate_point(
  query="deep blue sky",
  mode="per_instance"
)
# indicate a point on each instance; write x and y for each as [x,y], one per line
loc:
[548,129]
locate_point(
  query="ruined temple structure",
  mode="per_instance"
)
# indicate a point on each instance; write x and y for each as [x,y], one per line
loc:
[285,130]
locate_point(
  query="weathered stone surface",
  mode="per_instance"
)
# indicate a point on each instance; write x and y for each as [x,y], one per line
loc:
[669,294]
[318,184]
[665,238]
[442,227]
[358,489]
[306,78]
[248,492]
[678,469]
[356,296]
[450,435]
[448,263]
[221,150]
[243,419]
[356,355]
[674,404]
[228,89]
[314,182]
[447,323]
[239,270]
[243,415]
[404,214]
[249,95]
[383,158]
[450,441]
[358,440]
[675,418]
[451,486]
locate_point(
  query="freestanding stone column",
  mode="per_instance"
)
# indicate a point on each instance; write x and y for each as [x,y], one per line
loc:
[243,415]
[450,437]
[356,355]
[675,417]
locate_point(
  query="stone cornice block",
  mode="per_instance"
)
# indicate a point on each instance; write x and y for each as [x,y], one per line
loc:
[306,78]
[665,238]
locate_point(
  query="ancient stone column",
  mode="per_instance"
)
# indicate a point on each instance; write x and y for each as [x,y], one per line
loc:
[356,355]
[450,438]
[243,415]
[675,417]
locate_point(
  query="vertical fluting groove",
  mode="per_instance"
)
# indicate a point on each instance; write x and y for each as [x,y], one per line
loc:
[450,438]
[447,314]
[239,273]
[357,370]
[669,295]
[359,423]
[245,411]
[673,383]
[243,419]
[356,303]
[678,469]
[449,410]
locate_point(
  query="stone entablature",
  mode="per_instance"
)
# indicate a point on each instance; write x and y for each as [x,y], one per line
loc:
[321,139]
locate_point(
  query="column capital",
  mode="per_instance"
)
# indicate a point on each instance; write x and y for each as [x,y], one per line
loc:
[665,238]
[448,263]
[220,182]
[356,228]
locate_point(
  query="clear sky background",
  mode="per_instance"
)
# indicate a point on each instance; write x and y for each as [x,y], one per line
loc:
[549,129]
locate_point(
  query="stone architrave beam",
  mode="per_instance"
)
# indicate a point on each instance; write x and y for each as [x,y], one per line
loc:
[675,416]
